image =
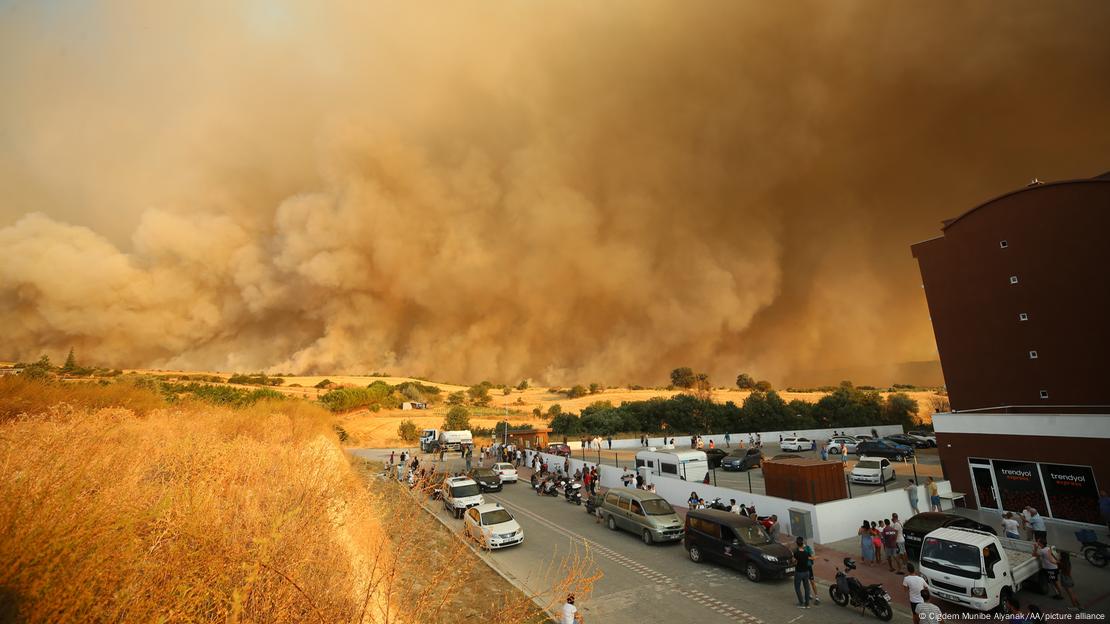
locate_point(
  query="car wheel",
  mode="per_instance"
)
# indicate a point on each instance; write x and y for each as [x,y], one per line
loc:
[753,572]
[834,451]
[611,523]
[695,554]
[647,537]
[899,458]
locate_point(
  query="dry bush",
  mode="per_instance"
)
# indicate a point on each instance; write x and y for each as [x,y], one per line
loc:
[200,513]
[22,395]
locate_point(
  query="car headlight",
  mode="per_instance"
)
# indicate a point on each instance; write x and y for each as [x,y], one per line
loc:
[770,557]
[979,592]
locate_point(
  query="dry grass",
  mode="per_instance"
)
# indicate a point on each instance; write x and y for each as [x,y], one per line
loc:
[195,513]
[19,394]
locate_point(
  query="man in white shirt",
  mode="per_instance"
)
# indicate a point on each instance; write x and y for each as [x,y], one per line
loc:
[899,541]
[914,583]
[570,613]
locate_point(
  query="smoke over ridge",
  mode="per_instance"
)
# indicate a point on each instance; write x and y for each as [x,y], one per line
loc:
[508,190]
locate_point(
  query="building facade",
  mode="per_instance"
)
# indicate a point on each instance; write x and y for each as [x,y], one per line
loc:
[1018,290]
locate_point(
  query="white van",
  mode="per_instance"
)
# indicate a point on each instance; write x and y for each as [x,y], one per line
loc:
[688,465]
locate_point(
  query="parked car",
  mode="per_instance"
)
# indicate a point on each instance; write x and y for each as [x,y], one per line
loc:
[735,541]
[488,479]
[641,512]
[492,526]
[561,450]
[507,472]
[884,448]
[742,459]
[796,444]
[876,470]
[929,436]
[916,528]
[848,441]
[460,494]
[714,457]
[908,440]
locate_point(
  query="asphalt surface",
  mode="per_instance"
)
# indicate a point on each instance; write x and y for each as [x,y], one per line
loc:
[640,583]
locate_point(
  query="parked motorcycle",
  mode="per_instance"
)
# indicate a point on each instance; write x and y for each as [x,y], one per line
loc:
[549,488]
[573,493]
[716,503]
[1094,551]
[848,589]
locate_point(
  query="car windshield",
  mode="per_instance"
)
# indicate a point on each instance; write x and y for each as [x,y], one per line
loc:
[951,558]
[873,465]
[462,491]
[753,534]
[485,472]
[496,516]
[504,466]
[656,507]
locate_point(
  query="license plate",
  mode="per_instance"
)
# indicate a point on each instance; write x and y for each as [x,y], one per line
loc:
[789,570]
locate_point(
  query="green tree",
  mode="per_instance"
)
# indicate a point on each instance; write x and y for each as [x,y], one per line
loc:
[458,419]
[577,391]
[900,409]
[702,386]
[71,362]
[595,388]
[479,394]
[523,385]
[456,398]
[744,381]
[407,431]
[683,377]
[554,411]
[40,369]
[325,383]
[506,391]
[763,386]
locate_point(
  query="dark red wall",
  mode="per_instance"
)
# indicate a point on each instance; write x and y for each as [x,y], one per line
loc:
[956,448]
[1058,245]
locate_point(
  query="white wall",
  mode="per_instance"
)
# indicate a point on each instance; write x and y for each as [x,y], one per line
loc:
[683,441]
[832,521]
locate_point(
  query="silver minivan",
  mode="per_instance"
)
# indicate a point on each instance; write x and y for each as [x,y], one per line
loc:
[641,512]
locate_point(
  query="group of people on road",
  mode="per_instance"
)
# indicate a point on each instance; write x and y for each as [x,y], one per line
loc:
[883,540]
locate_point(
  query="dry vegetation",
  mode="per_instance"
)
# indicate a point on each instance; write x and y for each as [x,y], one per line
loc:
[191,513]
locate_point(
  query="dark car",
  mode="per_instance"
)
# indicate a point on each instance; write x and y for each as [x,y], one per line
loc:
[916,528]
[562,450]
[884,448]
[908,440]
[735,541]
[742,459]
[715,455]
[487,479]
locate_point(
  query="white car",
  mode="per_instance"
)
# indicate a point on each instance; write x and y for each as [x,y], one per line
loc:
[507,472]
[460,494]
[492,526]
[928,436]
[796,444]
[876,470]
[849,444]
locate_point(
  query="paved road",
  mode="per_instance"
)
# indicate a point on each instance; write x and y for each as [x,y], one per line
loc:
[641,583]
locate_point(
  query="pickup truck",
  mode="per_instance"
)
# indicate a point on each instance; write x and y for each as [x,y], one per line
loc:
[976,569]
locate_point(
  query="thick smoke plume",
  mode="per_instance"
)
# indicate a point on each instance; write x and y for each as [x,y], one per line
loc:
[556,190]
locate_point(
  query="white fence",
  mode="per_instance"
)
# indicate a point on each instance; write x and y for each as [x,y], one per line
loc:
[832,521]
[683,441]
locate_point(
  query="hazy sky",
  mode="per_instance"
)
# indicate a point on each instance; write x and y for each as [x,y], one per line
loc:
[557,190]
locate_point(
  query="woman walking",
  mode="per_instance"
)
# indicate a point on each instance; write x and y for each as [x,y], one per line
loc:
[866,546]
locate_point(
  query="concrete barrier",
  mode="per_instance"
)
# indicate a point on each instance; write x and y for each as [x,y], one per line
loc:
[683,441]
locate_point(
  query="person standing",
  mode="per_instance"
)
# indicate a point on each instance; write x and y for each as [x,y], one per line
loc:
[934,495]
[728,441]
[803,572]
[890,545]
[639,481]
[1049,564]
[824,452]
[1010,526]
[812,576]
[774,529]
[913,584]
[392,457]
[899,543]
[927,611]
[877,540]
[911,492]
[610,441]
[570,614]
[866,546]
[1036,522]
[468,455]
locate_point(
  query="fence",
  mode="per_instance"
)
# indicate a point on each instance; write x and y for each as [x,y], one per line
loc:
[683,441]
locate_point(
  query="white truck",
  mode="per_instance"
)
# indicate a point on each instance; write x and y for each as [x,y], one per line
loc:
[434,439]
[688,465]
[976,569]
[428,439]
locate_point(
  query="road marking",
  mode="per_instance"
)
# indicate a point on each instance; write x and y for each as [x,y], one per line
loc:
[734,613]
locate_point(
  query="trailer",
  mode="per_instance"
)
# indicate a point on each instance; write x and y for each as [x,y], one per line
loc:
[687,465]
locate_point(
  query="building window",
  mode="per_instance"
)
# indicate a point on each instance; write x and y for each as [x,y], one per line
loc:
[1032,355]
[1013,279]
[1003,244]
[1044,394]
[1023,316]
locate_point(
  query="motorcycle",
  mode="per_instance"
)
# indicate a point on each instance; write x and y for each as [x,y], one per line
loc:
[548,488]
[573,493]
[1094,551]
[848,589]
[717,504]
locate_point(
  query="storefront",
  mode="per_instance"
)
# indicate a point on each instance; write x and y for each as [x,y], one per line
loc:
[1053,463]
